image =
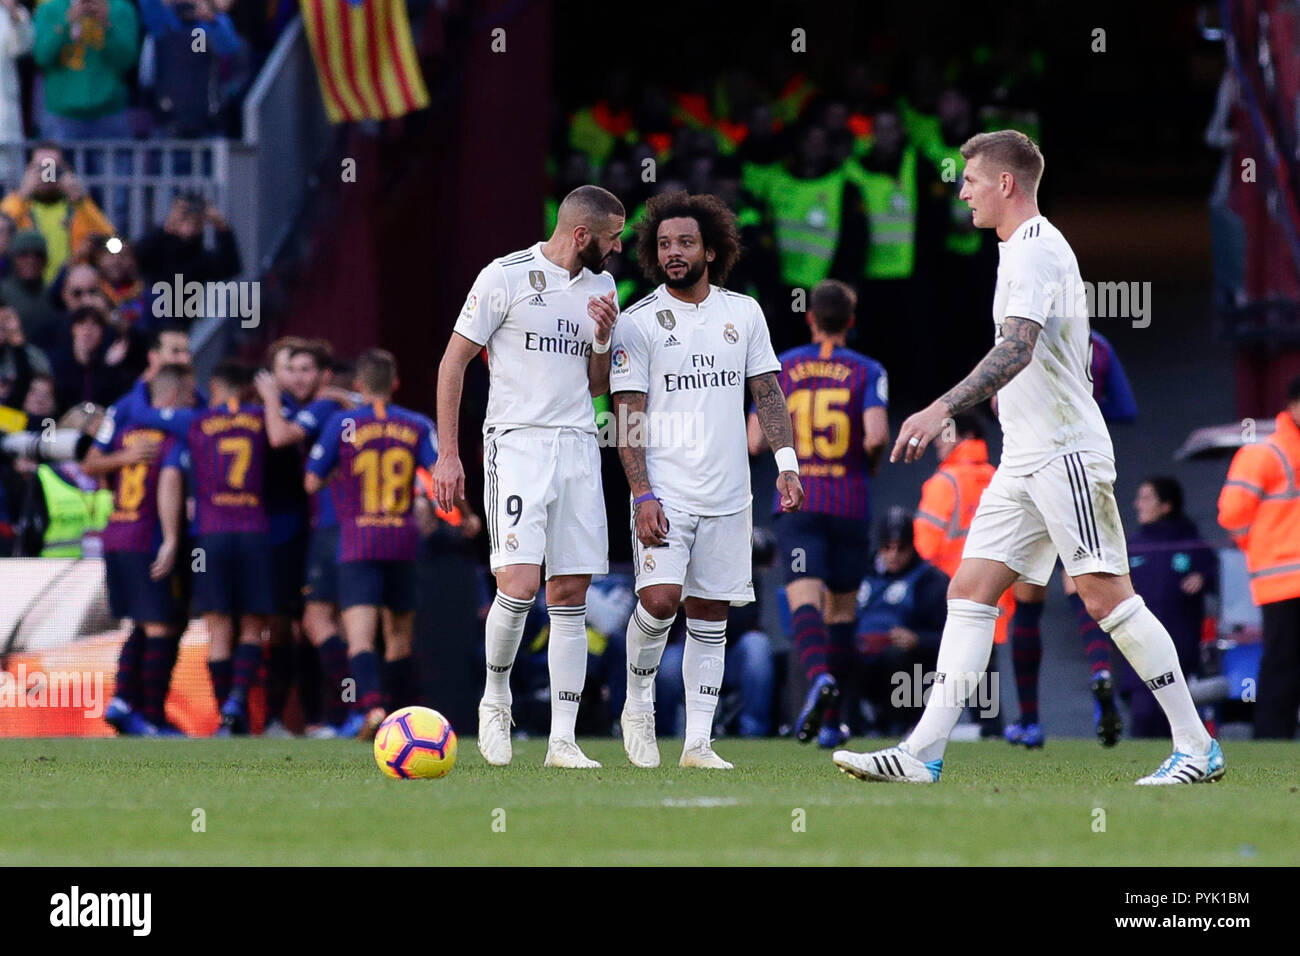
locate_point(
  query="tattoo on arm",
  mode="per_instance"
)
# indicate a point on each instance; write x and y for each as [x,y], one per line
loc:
[1003,362]
[770,407]
[632,456]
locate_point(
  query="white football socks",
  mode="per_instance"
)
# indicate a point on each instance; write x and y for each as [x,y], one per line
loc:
[566,659]
[1144,641]
[646,637]
[963,656]
[703,660]
[505,628]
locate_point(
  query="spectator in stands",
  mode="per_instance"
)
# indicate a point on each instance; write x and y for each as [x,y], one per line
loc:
[902,606]
[16,35]
[40,402]
[185,80]
[26,291]
[1173,569]
[176,247]
[89,368]
[1260,507]
[20,361]
[119,278]
[86,49]
[52,200]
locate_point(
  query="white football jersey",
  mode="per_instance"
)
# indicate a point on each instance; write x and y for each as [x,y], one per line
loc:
[532,316]
[692,361]
[1047,410]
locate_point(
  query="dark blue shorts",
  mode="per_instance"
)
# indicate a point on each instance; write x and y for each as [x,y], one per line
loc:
[288,559]
[321,582]
[389,584]
[131,592]
[235,577]
[835,550]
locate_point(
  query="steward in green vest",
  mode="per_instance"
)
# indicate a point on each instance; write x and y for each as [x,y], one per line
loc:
[943,149]
[887,177]
[70,513]
[816,212]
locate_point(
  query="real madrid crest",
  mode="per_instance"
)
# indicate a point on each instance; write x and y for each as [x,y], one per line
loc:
[649,563]
[537,279]
[730,334]
[512,543]
[666,319]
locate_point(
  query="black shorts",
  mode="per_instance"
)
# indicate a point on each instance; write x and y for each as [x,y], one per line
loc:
[288,559]
[321,581]
[132,593]
[389,584]
[235,576]
[833,549]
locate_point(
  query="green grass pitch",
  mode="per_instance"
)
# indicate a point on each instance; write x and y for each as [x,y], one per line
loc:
[322,803]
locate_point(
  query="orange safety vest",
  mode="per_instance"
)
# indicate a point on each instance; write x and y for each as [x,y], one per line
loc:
[949,498]
[1260,507]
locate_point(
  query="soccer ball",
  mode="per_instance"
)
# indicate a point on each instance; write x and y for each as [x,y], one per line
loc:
[415,743]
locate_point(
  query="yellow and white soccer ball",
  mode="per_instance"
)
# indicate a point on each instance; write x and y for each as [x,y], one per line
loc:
[415,743]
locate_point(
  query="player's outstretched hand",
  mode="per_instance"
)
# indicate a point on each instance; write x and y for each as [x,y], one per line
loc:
[651,524]
[448,481]
[790,489]
[603,311]
[918,431]
[267,390]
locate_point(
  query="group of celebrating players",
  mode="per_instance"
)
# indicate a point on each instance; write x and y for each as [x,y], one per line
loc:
[271,531]
[679,366]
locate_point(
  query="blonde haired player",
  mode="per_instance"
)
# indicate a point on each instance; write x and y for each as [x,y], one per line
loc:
[545,314]
[1053,492]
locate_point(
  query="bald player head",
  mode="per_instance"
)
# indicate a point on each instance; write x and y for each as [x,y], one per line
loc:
[589,224]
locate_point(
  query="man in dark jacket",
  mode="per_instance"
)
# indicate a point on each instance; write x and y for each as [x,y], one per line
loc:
[902,607]
[176,248]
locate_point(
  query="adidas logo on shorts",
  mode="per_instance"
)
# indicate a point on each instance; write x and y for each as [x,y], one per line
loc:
[1080,554]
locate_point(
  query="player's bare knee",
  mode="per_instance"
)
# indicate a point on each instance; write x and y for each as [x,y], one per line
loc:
[567,590]
[521,582]
[1102,593]
[660,602]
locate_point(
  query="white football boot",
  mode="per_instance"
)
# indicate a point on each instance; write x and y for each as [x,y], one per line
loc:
[893,764]
[494,733]
[567,754]
[699,753]
[639,739]
[1186,768]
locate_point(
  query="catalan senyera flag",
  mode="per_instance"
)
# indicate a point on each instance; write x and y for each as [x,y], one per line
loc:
[365,58]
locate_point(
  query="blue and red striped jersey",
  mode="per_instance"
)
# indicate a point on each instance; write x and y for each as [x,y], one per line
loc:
[373,453]
[827,389]
[134,527]
[227,452]
[312,419]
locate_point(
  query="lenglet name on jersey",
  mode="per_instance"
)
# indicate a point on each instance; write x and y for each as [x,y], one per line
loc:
[680,383]
[556,345]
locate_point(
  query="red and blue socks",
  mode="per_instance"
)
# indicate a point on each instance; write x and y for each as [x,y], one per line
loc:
[247,663]
[222,673]
[811,641]
[155,677]
[365,670]
[1026,656]
[334,671]
[1095,643]
[127,684]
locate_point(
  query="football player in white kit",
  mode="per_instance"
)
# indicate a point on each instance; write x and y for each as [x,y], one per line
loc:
[545,314]
[683,357]
[1054,490]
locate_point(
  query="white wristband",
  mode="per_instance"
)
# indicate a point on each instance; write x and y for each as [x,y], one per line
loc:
[601,349]
[787,460]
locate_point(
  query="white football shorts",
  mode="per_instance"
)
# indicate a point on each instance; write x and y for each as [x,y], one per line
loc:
[542,500]
[708,556]
[1066,508]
